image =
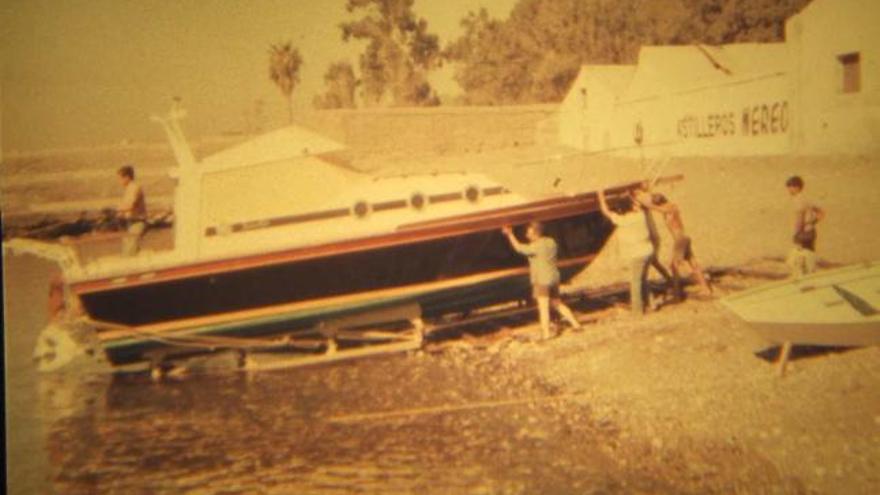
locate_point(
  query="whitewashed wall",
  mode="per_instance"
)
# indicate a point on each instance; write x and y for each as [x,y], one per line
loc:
[832,121]
[752,116]
[795,104]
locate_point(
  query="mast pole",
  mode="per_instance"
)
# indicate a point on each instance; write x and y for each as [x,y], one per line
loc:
[187,192]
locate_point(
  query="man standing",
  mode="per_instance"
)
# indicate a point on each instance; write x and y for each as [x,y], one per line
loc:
[132,211]
[638,196]
[682,252]
[635,245]
[802,258]
[543,273]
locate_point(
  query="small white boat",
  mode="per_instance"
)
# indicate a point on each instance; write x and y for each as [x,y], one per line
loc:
[838,307]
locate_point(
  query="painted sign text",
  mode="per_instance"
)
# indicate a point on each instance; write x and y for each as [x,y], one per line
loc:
[757,120]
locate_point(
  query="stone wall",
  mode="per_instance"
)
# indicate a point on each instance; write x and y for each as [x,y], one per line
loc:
[415,132]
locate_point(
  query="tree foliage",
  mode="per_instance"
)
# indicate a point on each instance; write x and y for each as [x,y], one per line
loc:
[340,83]
[285,62]
[535,54]
[732,21]
[399,53]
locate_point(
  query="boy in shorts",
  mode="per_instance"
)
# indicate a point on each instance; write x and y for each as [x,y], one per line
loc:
[802,258]
[682,252]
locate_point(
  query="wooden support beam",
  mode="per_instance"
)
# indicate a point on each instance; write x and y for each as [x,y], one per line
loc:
[781,363]
[373,335]
[377,341]
[332,355]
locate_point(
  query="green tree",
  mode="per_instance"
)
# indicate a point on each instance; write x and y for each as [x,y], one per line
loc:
[340,83]
[535,54]
[732,21]
[399,53]
[488,69]
[284,65]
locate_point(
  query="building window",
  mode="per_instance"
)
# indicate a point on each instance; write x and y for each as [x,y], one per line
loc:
[852,72]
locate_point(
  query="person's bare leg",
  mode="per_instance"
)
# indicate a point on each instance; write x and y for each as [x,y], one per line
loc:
[544,316]
[566,313]
[701,278]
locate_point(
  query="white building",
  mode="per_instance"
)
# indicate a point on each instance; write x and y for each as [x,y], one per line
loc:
[818,92]
[594,93]
[835,75]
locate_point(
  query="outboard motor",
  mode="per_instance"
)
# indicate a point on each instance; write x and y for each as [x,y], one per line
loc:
[62,343]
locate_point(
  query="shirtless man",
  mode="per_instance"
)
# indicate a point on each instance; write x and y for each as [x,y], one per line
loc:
[681,251]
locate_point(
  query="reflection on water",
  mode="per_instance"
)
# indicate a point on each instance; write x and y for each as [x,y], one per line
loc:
[25,283]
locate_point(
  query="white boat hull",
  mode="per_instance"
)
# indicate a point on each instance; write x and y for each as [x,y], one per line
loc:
[834,308]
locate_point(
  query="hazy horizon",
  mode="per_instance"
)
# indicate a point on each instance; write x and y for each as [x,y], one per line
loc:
[85,73]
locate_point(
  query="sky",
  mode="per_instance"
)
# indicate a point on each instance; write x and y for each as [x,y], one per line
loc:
[90,72]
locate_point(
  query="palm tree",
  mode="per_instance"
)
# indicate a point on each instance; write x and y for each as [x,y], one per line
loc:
[284,64]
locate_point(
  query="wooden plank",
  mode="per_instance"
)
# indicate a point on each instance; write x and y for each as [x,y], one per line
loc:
[783,358]
[276,363]
[372,335]
[402,312]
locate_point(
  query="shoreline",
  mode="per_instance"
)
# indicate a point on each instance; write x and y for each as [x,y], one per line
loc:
[690,387]
[676,401]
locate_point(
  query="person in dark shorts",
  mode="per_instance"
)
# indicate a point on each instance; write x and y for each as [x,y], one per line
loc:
[544,275]
[807,214]
[682,251]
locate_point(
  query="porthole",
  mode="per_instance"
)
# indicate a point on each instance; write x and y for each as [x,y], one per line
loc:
[417,201]
[472,193]
[361,209]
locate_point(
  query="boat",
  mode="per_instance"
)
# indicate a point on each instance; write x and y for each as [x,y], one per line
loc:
[280,245]
[839,307]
